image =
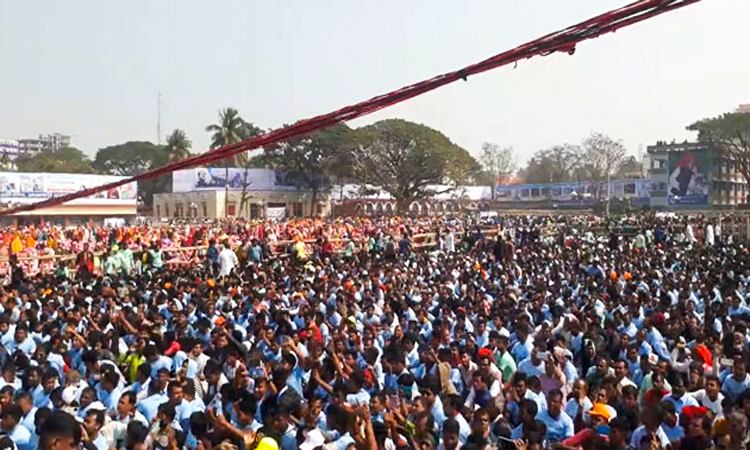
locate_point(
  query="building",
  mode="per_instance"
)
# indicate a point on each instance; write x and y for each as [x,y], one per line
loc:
[203,193]
[45,143]
[694,176]
[31,146]
[17,188]
[744,108]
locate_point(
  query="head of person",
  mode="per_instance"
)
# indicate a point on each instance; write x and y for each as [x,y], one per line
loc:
[450,434]
[126,406]
[10,417]
[87,397]
[653,416]
[480,422]
[598,415]
[619,430]
[60,431]
[554,402]
[174,392]
[93,422]
[519,384]
[528,411]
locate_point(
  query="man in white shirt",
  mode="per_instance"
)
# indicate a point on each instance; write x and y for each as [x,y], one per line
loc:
[227,260]
[710,397]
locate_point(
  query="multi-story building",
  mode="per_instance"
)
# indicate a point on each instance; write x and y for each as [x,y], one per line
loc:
[694,176]
[45,143]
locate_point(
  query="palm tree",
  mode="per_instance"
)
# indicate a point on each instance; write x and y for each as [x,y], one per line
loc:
[228,131]
[178,145]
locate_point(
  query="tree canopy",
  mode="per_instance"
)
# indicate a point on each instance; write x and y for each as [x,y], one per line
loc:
[65,160]
[135,158]
[178,146]
[730,133]
[407,159]
[313,161]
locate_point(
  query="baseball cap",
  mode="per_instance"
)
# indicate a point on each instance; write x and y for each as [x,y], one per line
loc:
[69,395]
[599,409]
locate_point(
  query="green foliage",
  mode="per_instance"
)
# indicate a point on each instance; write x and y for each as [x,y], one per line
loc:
[230,130]
[178,146]
[729,133]
[313,161]
[405,159]
[554,165]
[65,160]
[135,158]
[131,158]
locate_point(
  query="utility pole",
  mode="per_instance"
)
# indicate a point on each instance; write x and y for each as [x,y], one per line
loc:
[158,120]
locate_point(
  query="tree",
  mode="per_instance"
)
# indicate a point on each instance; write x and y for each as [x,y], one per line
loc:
[603,156]
[630,168]
[729,133]
[557,164]
[244,160]
[313,161]
[227,132]
[178,146]
[135,158]
[65,160]
[499,163]
[129,159]
[409,160]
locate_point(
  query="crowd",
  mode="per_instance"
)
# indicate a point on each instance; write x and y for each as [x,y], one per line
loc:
[520,333]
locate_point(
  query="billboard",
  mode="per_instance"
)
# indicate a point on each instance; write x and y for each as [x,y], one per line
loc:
[215,178]
[688,177]
[19,187]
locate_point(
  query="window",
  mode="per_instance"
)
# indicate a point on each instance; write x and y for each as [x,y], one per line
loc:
[205,209]
[231,209]
[158,210]
[254,211]
[298,209]
[166,209]
[178,209]
[629,188]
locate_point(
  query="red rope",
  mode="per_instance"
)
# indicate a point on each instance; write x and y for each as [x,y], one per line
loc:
[559,41]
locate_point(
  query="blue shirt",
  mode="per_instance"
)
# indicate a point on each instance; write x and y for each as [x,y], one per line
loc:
[149,406]
[558,428]
[164,362]
[679,403]
[733,387]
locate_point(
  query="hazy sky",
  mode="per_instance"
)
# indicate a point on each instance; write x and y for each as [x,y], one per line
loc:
[93,68]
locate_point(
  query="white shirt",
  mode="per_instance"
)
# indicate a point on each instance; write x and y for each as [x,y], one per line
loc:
[227,261]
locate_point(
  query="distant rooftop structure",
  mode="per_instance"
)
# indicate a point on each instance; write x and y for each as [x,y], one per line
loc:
[31,146]
[744,108]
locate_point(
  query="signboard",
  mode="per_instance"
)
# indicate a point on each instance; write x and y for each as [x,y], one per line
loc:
[688,177]
[276,213]
[217,178]
[19,187]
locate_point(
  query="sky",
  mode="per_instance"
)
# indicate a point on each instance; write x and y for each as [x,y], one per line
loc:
[94,69]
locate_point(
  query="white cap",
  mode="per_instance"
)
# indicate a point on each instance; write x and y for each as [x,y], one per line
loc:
[69,395]
[313,440]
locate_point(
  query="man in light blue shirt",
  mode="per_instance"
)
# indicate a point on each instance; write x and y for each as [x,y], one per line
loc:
[559,424]
[736,383]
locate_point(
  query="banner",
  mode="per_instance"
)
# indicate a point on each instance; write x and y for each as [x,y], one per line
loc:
[19,187]
[215,178]
[688,177]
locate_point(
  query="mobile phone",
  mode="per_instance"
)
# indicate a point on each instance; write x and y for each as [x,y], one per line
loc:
[602,430]
[543,356]
[726,361]
[395,402]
